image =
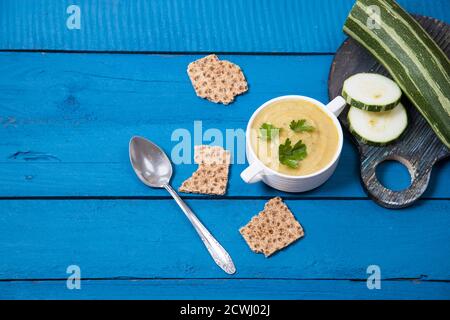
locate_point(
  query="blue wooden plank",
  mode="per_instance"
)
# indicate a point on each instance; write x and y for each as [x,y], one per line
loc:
[152,239]
[224,289]
[294,26]
[65,120]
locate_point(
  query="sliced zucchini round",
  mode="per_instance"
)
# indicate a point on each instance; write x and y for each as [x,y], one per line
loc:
[371,92]
[377,128]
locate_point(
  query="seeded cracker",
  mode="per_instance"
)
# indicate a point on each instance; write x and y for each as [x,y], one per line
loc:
[211,177]
[212,155]
[219,81]
[272,229]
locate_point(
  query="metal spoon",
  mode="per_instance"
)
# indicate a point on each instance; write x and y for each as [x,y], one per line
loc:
[153,168]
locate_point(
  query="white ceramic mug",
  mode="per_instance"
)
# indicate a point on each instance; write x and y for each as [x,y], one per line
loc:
[257,171]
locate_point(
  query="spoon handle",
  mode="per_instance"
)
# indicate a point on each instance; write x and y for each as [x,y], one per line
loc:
[218,253]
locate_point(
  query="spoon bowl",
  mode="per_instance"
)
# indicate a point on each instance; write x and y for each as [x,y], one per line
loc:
[151,164]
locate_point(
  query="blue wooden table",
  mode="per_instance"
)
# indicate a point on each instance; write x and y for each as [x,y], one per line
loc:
[70,99]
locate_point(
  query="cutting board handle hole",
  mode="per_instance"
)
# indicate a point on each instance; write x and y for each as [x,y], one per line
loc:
[394,174]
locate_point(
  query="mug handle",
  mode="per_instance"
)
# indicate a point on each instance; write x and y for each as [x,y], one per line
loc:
[252,174]
[336,105]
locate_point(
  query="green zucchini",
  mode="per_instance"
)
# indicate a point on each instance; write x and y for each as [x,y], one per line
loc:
[414,60]
[371,92]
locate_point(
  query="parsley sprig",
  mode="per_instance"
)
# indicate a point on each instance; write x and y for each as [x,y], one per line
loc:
[301,126]
[291,155]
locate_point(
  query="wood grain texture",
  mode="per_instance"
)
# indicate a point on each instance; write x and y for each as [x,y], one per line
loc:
[153,239]
[418,148]
[224,289]
[65,122]
[285,26]
[66,119]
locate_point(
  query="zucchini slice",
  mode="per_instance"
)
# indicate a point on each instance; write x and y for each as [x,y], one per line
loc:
[378,128]
[371,92]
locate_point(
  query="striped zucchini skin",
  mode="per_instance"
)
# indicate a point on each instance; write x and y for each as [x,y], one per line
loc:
[372,143]
[414,60]
[367,107]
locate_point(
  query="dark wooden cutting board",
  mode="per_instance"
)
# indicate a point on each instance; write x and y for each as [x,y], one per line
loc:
[418,149]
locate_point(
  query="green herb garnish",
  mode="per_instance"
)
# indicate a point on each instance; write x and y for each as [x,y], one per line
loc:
[291,155]
[301,126]
[268,131]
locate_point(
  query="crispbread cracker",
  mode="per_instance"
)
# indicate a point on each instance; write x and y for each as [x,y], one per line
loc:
[207,179]
[272,229]
[211,155]
[219,81]
[211,177]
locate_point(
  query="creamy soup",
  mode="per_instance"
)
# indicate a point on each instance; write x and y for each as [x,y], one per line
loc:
[321,143]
